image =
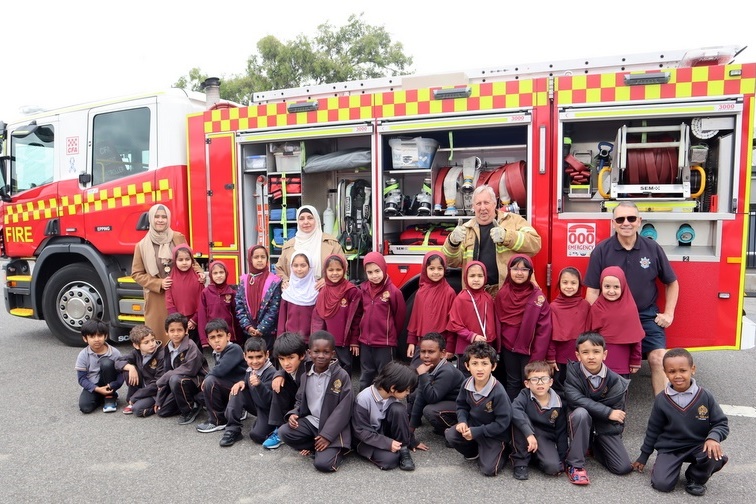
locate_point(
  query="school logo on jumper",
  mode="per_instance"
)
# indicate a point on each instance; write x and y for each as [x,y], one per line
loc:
[343,302]
[385,296]
[228,298]
[489,407]
[153,363]
[645,262]
[182,356]
[336,389]
[703,413]
[554,416]
[540,300]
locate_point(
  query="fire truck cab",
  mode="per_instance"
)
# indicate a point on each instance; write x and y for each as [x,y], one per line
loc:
[77,183]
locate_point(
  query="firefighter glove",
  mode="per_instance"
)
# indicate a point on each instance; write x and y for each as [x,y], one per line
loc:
[458,234]
[498,234]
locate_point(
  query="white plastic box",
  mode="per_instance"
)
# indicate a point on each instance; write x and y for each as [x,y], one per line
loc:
[287,163]
[255,162]
[412,152]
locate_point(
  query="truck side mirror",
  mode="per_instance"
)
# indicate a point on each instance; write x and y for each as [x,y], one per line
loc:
[143,224]
[4,194]
[85,178]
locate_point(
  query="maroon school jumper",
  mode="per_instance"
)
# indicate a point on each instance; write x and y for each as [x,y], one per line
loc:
[345,324]
[216,303]
[382,317]
[295,318]
[533,335]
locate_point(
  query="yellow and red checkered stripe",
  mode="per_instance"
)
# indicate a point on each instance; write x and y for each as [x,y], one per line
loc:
[337,108]
[415,102]
[684,83]
[487,96]
[103,199]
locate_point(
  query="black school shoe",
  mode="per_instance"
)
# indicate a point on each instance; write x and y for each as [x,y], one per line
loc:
[693,488]
[405,459]
[521,473]
[230,437]
[191,416]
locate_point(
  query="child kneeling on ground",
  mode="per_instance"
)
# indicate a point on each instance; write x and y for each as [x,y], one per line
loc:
[381,423]
[686,425]
[319,422]
[484,412]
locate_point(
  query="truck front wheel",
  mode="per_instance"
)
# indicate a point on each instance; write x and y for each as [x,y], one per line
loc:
[73,296]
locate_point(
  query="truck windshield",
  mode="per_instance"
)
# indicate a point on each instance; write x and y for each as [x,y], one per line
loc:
[32,161]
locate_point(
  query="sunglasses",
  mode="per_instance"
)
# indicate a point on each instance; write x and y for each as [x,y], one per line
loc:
[629,218]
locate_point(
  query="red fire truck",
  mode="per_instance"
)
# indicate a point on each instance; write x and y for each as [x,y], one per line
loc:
[395,161]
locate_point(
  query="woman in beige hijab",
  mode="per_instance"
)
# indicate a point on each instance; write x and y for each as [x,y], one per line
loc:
[151,267]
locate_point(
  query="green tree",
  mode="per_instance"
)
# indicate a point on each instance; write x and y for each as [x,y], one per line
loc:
[354,51]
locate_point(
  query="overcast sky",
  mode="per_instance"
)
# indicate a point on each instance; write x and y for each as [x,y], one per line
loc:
[61,53]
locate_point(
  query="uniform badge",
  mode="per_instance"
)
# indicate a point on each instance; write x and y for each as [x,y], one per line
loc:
[385,296]
[343,302]
[228,298]
[540,300]
[153,363]
[645,262]
[489,407]
[336,389]
[703,413]
[182,356]
[554,415]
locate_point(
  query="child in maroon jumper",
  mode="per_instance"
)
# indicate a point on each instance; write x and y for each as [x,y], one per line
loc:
[258,298]
[384,311]
[338,310]
[614,315]
[433,302]
[217,301]
[524,323]
[472,313]
[184,295]
[298,299]
[569,319]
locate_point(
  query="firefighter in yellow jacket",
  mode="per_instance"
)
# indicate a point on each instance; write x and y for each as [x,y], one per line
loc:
[490,240]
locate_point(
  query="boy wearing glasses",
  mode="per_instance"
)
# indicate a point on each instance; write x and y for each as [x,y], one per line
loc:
[643,261]
[540,422]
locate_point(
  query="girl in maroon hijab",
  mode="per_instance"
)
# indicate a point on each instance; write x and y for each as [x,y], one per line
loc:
[433,301]
[338,310]
[569,318]
[259,297]
[614,315]
[184,295]
[217,301]
[472,313]
[384,312]
[524,320]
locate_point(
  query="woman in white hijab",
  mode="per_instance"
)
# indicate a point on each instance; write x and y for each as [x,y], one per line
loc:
[151,267]
[311,238]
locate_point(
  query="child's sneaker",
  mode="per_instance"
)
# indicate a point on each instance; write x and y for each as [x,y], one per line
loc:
[191,416]
[578,476]
[128,410]
[110,405]
[521,473]
[209,427]
[273,441]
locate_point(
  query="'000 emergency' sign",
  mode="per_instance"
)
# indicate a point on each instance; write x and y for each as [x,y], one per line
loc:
[581,238]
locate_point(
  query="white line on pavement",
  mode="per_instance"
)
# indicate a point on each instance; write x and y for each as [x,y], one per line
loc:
[745,411]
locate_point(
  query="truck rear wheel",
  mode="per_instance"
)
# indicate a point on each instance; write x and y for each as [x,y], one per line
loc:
[73,296]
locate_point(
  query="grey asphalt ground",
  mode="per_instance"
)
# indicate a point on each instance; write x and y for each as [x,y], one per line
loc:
[50,452]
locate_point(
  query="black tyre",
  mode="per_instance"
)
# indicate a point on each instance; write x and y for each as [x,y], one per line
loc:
[72,296]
